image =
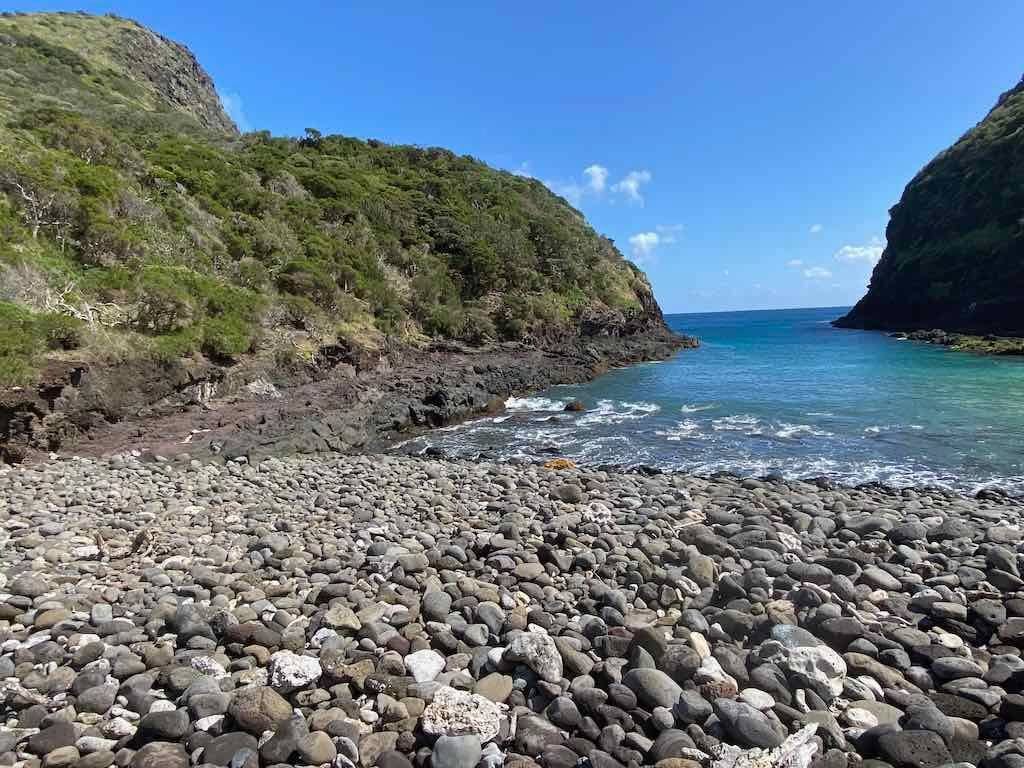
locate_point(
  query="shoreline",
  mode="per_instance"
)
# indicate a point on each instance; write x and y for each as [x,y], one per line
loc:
[997,346]
[989,490]
[982,344]
[387,608]
[357,403]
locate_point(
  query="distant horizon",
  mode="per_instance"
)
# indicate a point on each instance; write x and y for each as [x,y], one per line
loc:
[838,307]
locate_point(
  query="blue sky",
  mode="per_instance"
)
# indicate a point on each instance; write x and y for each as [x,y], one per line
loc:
[745,153]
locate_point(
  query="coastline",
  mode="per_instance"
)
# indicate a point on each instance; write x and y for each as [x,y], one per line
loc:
[357,403]
[1009,346]
[983,344]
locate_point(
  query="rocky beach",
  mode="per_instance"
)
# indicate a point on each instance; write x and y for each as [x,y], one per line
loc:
[395,611]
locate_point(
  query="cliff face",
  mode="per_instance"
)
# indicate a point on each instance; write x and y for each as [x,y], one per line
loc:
[130,66]
[955,252]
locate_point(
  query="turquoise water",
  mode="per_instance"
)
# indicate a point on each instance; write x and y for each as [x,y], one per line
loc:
[781,392]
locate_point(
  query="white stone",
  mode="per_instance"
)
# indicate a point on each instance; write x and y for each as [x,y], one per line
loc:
[89,744]
[289,671]
[249,677]
[710,671]
[100,665]
[206,665]
[757,698]
[82,639]
[424,665]
[700,644]
[949,640]
[872,685]
[119,712]
[206,723]
[819,667]
[855,717]
[459,713]
[321,636]
[492,757]
[342,617]
[795,752]
[597,513]
[538,652]
[494,655]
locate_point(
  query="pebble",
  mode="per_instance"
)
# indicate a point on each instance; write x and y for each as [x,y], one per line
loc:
[399,611]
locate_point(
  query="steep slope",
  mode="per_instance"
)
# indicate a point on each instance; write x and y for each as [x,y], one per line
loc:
[148,249]
[955,253]
[136,220]
[102,64]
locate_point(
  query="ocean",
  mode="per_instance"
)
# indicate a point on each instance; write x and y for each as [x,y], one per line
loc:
[779,392]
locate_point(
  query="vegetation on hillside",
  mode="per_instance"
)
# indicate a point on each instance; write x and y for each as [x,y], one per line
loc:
[955,253]
[128,227]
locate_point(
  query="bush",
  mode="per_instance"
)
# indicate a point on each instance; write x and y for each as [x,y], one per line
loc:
[446,320]
[163,304]
[24,338]
[478,326]
[308,279]
[227,336]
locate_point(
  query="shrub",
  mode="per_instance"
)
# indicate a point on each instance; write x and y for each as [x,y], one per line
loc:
[24,338]
[227,336]
[163,304]
[309,279]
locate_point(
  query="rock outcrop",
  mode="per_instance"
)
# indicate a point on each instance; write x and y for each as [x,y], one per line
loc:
[166,73]
[955,252]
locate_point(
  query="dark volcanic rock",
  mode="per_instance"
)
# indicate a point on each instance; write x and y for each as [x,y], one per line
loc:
[939,270]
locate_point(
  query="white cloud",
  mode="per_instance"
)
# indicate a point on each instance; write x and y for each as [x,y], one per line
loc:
[233,106]
[570,190]
[667,233]
[817,273]
[816,229]
[643,244]
[524,171]
[629,187]
[597,177]
[862,254]
[794,263]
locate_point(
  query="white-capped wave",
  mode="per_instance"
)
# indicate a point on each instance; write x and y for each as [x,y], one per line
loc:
[534,404]
[613,412]
[877,429]
[686,429]
[789,431]
[642,407]
[739,423]
[690,408]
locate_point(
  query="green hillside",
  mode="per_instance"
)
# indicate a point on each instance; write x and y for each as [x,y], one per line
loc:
[955,253]
[135,220]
